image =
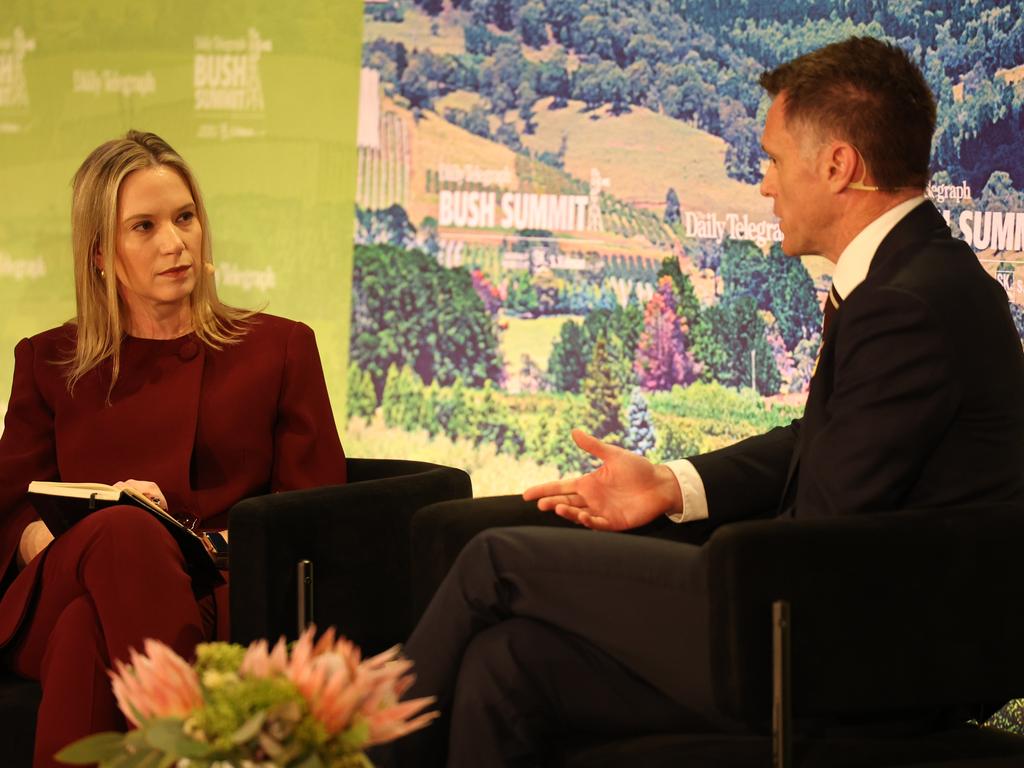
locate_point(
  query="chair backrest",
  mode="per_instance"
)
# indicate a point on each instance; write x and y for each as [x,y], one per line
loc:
[357,538]
[892,613]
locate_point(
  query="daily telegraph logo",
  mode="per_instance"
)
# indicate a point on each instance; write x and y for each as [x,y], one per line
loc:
[13,84]
[226,72]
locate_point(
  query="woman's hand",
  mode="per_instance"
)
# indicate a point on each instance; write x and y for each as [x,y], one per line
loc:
[149,490]
[34,539]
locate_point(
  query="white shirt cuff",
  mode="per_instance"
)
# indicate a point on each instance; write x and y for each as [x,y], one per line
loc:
[695,500]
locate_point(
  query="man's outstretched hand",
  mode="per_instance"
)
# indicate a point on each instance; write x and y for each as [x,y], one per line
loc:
[626,491]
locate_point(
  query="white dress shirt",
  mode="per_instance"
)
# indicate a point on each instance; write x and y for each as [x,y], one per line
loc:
[851,269]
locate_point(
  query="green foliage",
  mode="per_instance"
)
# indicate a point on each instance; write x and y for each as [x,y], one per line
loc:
[410,311]
[677,438]
[777,283]
[572,351]
[724,339]
[640,434]
[687,304]
[218,657]
[672,209]
[603,388]
[402,401]
[712,402]
[362,396]
[522,295]
[744,272]
[791,297]
[567,363]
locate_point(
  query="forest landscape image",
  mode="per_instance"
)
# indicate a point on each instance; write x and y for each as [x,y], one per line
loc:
[559,224]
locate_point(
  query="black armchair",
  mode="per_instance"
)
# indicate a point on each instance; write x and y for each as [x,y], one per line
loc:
[357,538]
[903,625]
[356,535]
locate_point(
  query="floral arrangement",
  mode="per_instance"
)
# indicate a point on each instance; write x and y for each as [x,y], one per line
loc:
[318,706]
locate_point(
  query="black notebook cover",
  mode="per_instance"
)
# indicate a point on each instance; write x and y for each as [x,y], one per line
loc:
[61,512]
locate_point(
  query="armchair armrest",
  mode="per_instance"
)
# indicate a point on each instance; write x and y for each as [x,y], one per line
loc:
[356,535]
[900,612]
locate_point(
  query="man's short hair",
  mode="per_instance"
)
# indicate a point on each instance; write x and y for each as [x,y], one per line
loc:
[866,92]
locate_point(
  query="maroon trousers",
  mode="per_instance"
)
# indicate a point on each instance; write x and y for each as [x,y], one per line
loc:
[113,580]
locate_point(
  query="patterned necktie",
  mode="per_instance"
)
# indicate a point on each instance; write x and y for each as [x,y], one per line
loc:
[832,304]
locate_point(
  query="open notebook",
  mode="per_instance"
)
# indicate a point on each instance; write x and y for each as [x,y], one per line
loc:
[62,505]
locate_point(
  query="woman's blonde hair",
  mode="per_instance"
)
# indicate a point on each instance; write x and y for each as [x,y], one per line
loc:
[101,313]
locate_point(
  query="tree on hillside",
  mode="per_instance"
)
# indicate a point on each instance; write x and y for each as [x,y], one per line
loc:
[362,397]
[532,28]
[616,90]
[501,77]
[567,364]
[588,86]
[742,136]
[708,255]
[408,311]
[723,341]
[640,80]
[563,16]
[622,323]
[687,304]
[553,79]
[640,436]
[744,272]
[791,297]
[508,135]
[592,36]
[602,389]
[479,40]
[522,295]
[416,85]
[388,226]
[672,209]
[527,98]
[662,359]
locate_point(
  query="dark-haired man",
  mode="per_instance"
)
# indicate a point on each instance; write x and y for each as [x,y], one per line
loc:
[915,403]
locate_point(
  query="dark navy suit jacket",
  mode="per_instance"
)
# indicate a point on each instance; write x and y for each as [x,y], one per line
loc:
[917,401]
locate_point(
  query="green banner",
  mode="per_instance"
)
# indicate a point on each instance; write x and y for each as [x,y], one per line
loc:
[258,97]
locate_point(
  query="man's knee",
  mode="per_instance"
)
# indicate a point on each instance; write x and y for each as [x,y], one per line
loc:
[505,660]
[503,700]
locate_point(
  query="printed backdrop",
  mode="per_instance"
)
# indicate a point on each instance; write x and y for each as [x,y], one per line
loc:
[258,97]
[558,220]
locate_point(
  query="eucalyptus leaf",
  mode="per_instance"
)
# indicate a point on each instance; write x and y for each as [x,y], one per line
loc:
[249,729]
[312,761]
[272,747]
[166,735]
[92,749]
[143,758]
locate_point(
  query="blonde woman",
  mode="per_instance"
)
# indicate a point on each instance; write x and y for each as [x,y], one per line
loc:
[157,385]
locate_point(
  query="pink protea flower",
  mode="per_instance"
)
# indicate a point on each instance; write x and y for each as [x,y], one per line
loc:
[325,676]
[387,676]
[338,686]
[257,662]
[158,683]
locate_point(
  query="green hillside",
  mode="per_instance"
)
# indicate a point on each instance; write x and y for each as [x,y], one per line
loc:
[645,153]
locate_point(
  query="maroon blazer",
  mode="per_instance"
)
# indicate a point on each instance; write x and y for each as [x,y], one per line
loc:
[210,427]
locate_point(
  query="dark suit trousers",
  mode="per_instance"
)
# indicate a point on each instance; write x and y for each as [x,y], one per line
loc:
[537,632]
[114,579]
